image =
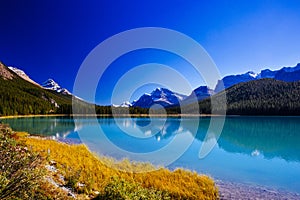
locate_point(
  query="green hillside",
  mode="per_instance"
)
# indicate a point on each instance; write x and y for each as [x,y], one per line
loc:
[19,97]
[259,97]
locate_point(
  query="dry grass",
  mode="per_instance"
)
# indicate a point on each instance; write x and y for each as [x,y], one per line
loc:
[79,165]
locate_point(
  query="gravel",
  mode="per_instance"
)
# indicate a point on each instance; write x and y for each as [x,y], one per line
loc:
[234,191]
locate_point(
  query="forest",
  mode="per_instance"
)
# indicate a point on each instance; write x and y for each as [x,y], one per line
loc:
[258,97]
[19,97]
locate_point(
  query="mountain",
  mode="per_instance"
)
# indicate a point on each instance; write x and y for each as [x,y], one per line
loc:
[161,96]
[267,73]
[291,69]
[200,93]
[125,104]
[5,73]
[259,97]
[287,74]
[21,97]
[235,79]
[22,74]
[50,84]
[247,94]
[167,98]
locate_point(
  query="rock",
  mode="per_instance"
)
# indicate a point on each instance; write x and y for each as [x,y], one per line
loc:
[51,168]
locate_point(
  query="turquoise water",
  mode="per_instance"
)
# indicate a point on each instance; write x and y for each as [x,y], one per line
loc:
[256,150]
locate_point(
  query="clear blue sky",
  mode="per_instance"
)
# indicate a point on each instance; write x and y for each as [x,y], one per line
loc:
[52,38]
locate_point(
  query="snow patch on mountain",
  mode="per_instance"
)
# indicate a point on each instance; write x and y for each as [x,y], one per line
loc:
[252,74]
[22,74]
[50,84]
[125,104]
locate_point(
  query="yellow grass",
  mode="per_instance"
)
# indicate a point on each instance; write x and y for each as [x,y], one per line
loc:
[96,172]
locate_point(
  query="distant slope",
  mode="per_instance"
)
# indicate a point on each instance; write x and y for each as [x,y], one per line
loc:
[20,97]
[260,97]
[287,74]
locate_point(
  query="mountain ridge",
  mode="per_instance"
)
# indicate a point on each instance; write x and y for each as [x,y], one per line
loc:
[287,74]
[49,84]
[284,74]
[278,94]
[21,97]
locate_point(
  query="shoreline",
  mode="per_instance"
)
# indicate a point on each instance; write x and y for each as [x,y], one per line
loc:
[227,189]
[24,116]
[230,189]
[115,115]
[237,191]
[140,115]
[62,154]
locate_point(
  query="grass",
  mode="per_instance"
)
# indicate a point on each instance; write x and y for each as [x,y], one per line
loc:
[90,174]
[22,172]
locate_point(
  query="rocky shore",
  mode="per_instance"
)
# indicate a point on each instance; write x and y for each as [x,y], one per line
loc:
[239,191]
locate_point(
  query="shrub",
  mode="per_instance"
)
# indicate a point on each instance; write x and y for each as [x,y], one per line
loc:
[124,190]
[19,172]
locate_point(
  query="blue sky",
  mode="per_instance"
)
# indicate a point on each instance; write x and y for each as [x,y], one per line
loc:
[50,39]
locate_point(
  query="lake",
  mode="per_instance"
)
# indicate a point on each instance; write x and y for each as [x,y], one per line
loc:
[252,150]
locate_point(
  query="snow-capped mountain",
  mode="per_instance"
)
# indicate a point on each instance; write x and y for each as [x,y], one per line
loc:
[161,96]
[22,74]
[50,84]
[125,104]
[287,74]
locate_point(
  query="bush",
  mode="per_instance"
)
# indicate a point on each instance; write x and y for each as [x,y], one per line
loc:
[123,190]
[19,172]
